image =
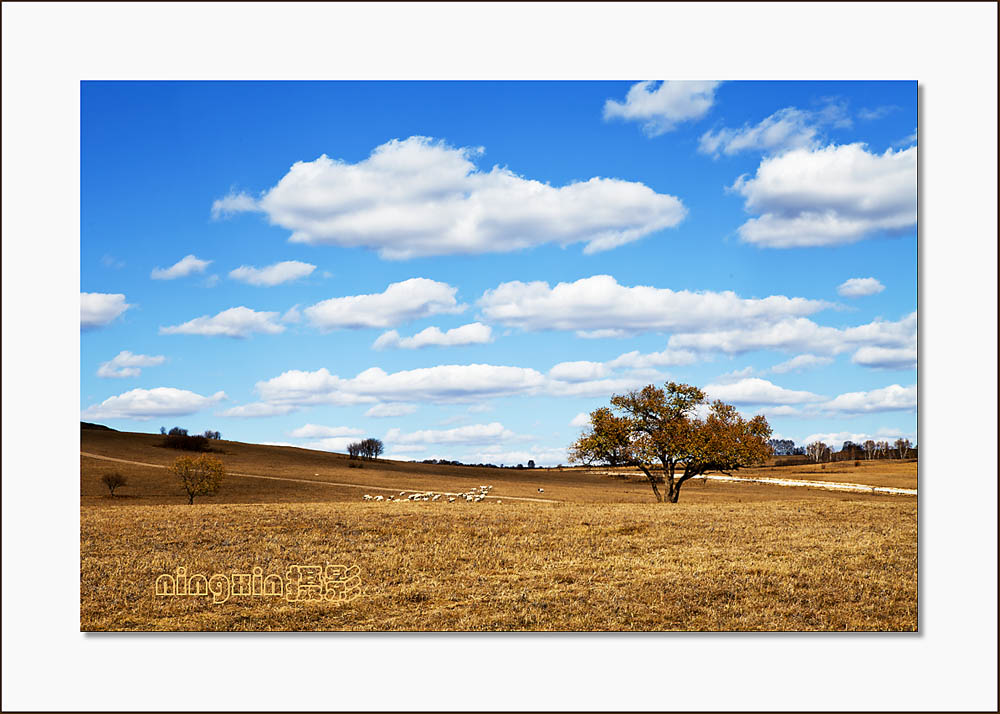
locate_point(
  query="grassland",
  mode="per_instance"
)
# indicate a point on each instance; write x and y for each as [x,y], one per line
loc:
[603,557]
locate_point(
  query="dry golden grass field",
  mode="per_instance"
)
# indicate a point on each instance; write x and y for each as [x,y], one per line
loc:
[596,554]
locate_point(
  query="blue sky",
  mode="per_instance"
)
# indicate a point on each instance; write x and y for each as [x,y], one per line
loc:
[757,239]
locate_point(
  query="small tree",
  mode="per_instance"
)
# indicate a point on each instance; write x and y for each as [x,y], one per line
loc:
[354,450]
[902,447]
[531,463]
[113,480]
[869,447]
[372,448]
[817,451]
[199,475]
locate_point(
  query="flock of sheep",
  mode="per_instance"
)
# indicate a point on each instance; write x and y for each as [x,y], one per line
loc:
[474,495]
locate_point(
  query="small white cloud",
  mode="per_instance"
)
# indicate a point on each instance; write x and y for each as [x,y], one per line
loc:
[234,322]
[334,443]
[867,114]
[582,420]
[754,390]
[258,409]
[800,363]
[887,357]
[666,358]
[381,411]
[316,431]
[472,434]
[860,287]
[475,333]
[126,364]
[233,203]
[788,128]
[829,196]
[663,105]
[581,371]
[272,275]
[183,267]
[891,398]
[406,301]
[144,404]
[292,315]
[110,261]
[99,309]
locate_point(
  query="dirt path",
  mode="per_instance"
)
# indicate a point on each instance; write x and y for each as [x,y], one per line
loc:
[324,483]
[825,485]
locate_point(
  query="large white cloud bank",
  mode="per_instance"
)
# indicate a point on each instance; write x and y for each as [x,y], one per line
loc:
[421,197]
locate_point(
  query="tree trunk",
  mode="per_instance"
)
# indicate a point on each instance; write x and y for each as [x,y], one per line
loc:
[652,482]
[190,499]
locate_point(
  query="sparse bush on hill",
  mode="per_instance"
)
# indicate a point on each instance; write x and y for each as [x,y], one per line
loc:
[185,442]
[113,481]
[199,475]
[178,438]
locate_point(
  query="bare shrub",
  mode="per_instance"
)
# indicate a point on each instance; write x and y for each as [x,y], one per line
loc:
[113,480]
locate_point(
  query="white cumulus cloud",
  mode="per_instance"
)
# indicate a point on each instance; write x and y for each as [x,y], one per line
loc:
[382,411]
[143,404]
[126,364]
[663,105]
[860,287]
[405,301]
[183,267]
[272,275]
[234,322]
[475,333]
[800,363]
[829,196]
[420,197]
[599,303]
[99,309]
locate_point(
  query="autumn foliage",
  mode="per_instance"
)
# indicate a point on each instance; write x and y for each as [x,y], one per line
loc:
[658,431]
[199,475]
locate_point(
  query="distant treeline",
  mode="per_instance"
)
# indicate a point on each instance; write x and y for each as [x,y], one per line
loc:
[870,450]
[446,462]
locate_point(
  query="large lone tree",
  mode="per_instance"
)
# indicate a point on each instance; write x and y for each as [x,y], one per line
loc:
[658,431]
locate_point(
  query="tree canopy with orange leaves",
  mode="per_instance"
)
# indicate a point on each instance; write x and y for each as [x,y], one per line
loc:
[660,432]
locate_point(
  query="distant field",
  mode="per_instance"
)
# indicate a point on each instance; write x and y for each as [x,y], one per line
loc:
[603,557]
